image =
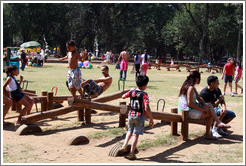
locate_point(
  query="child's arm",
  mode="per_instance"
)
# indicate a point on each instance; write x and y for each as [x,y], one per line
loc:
[126,95]
[223,73]
[151,122]
[6,83]
[61,59]
[21,79]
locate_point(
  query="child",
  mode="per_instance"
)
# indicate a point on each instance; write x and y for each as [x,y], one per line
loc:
[139,104]
[74,74]
[237,77]
[227,75]
[145,65]
[16,93]
[7,104]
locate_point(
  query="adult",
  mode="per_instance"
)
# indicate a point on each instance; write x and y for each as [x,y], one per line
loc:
[23,59]
[227,75]
[124,57]
[188,98]
[212,94]
[137,61]
[100,85]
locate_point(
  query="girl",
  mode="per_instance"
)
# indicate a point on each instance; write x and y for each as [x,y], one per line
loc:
[145,65]
[16,93]
[188,97]
[238,76]
[137,59]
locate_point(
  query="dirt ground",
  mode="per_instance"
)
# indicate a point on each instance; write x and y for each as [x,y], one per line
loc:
[50,145]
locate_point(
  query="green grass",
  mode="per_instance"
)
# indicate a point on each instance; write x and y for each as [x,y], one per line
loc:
[159,140]
[111,132]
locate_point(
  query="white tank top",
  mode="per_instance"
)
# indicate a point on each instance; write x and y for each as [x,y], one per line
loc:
[12,85]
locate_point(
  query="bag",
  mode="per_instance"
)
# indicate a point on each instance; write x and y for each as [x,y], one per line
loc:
[117,66]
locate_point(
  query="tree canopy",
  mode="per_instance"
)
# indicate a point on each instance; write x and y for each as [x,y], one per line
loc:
[207,30]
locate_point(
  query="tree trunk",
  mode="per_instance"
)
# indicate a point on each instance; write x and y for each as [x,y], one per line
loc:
[239,42]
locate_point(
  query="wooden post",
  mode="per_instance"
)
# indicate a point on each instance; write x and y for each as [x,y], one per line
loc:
[122,117]
[174,125]
[50,100]
[81,114]
[88,114]
[44,102]
[185,125]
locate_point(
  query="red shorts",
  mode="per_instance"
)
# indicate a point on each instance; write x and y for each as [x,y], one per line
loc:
[123,65]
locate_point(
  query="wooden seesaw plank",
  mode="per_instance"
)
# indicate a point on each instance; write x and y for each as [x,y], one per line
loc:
[110,97]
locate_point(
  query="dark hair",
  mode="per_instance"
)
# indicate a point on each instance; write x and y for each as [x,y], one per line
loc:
[71,43]
[125,48]
[190,81]
[137,53]
[105,66]
[229,59]
[142,80]
[211,79]
[9,69]
[239,65]
[145,57]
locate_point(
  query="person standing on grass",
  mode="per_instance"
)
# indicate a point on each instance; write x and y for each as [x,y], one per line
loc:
[16,93]
[124,57]
[23,59]
[227,75]
[137,59]
[188,98]
[74,73]
[139,106]
[237,77]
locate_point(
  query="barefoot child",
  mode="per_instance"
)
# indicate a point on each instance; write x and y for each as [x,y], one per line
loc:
[136,116]
[74,73]
[16,93]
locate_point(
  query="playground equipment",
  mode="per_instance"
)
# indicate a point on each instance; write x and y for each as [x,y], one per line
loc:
[121,79]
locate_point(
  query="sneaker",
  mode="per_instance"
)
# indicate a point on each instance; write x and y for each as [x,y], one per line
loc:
[222,132]
[231,94]
[235,93]
[216,134]
[223,93]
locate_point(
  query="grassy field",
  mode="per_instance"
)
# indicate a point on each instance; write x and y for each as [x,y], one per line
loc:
[163,84]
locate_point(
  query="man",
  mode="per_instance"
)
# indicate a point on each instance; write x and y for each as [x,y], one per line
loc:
[124,56]
[212,94]
[23,59]
[227,75]
[98,86]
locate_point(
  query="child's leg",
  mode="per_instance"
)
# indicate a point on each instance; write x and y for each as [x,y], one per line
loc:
[26,108]
[236,86]
[230,85]
[81,93]
[225,87]
[73,92]
[134,143]
[128,137]
[7,104]
[31,102]
[125,74]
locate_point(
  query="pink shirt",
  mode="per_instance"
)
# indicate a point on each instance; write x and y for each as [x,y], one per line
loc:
[239,72]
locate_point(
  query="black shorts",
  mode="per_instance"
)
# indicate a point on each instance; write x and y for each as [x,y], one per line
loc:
[228,78]
[17,95]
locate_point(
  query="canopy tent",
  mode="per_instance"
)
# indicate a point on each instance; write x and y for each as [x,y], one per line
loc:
[30,44]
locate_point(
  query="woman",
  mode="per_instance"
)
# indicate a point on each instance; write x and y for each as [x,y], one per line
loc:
[188,98]
[137,59]
[145,65]
[16,93]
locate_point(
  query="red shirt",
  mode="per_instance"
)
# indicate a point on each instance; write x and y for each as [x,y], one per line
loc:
[135,109]
[229,68]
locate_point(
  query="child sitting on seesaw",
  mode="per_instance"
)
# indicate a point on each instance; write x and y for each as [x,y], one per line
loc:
[16,93]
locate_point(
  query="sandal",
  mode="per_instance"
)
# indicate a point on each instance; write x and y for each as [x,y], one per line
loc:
[131,157]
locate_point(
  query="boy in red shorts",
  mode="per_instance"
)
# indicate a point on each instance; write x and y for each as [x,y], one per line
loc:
[227,75]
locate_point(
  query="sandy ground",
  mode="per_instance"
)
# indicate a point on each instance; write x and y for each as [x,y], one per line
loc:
[50,145]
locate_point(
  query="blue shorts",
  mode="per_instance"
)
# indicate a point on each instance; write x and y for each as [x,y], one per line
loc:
[17,95]
[136,124]
[228,115]
[228,78]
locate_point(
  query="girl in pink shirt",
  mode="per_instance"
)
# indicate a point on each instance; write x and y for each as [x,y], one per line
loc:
[238,76]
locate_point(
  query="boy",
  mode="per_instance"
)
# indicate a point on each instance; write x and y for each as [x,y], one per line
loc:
[74,74]
[227,75]
[139,104]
